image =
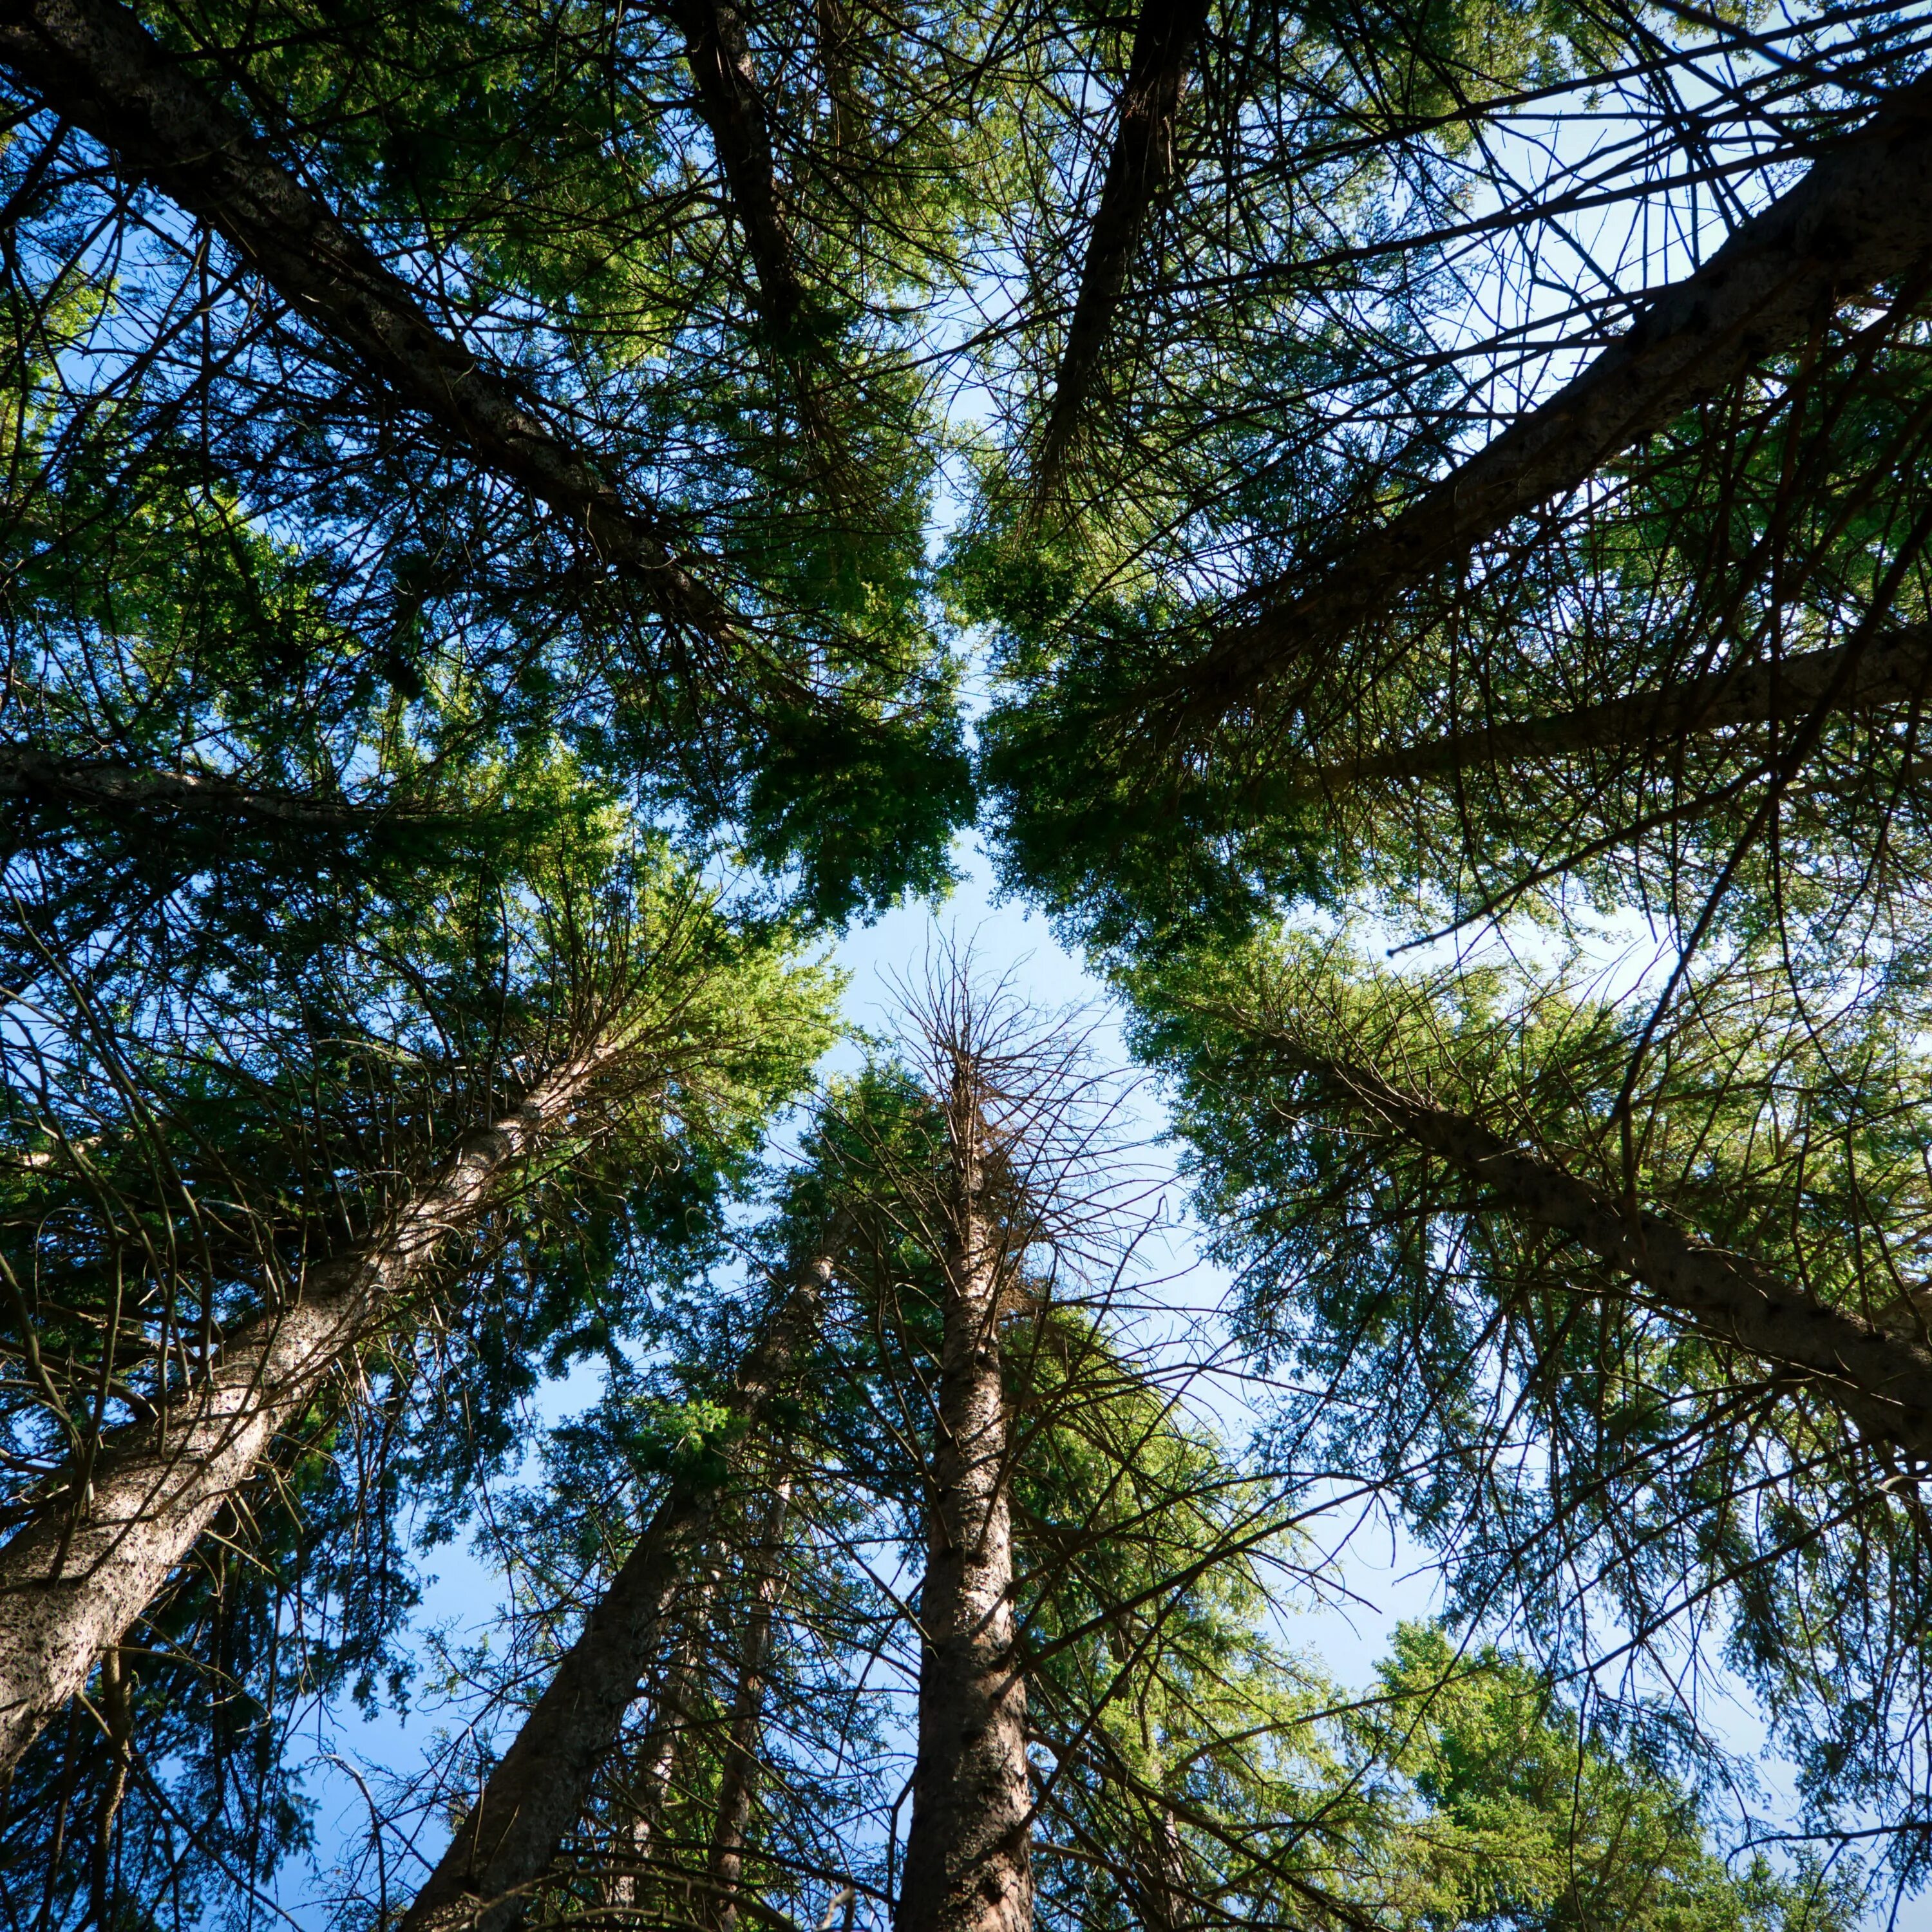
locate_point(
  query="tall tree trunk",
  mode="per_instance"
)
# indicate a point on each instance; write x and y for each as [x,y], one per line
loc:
[93,62]
[1139,167]
[967,1866]
[732,105]
[75,1577]
[1893,668]
[738,1777]
[1862,216]
[733,108]
[1879,1377]
[665,1747]
[499,1853]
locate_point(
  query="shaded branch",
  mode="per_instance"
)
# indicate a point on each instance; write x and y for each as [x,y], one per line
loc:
[1879,1378]
[27,772]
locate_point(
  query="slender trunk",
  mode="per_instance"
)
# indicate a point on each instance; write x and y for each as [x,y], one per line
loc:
[1862,216]
[1139,168]
[851,135]
[75,1577]
[106,784]
[1882,1379]
[484,1880]
[1161,1858]
[967,1867]
[733,108]
[664,1750]
[1893,669]
[93,62]
[738,1777]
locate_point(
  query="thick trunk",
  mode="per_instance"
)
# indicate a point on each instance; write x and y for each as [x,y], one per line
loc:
[94,63]
[967,1867]
[75,1577]
[537,1792]
[738,1777]
[1140,166]
[1862,216]
[1895,668]
[1880,1378]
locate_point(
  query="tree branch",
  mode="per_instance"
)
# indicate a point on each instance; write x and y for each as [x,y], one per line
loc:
[28,773]
[1894,669]
[1882,1379]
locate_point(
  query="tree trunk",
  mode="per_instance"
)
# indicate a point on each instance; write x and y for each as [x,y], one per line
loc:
[733,108]
[94,64]
[75,1578]
[738,1777]
[1895,668]
[538,1791]
[1862,216]
[106,784]
[967,1867]
[664,1748]
[1139,167]
[1880,1378]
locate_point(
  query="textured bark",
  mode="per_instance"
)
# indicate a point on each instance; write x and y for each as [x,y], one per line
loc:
[108,784]
[1862,215]
[1893,669]
[538,1791]
[94,63]
[1880,1378]
[75,1577]
[967,1866]
[738,1777]
[1140,166]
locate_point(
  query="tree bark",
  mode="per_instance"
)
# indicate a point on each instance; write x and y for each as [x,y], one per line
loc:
[738,1777]
[1140,166]
[94,64]
[1862,216]
[108,784]
[75,1577]
[1879,1378]
[967,1867]
[664,1749]
[733,108]
[1892,669]
[499,1854]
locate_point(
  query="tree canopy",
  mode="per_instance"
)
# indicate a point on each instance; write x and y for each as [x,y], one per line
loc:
[1400,526]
